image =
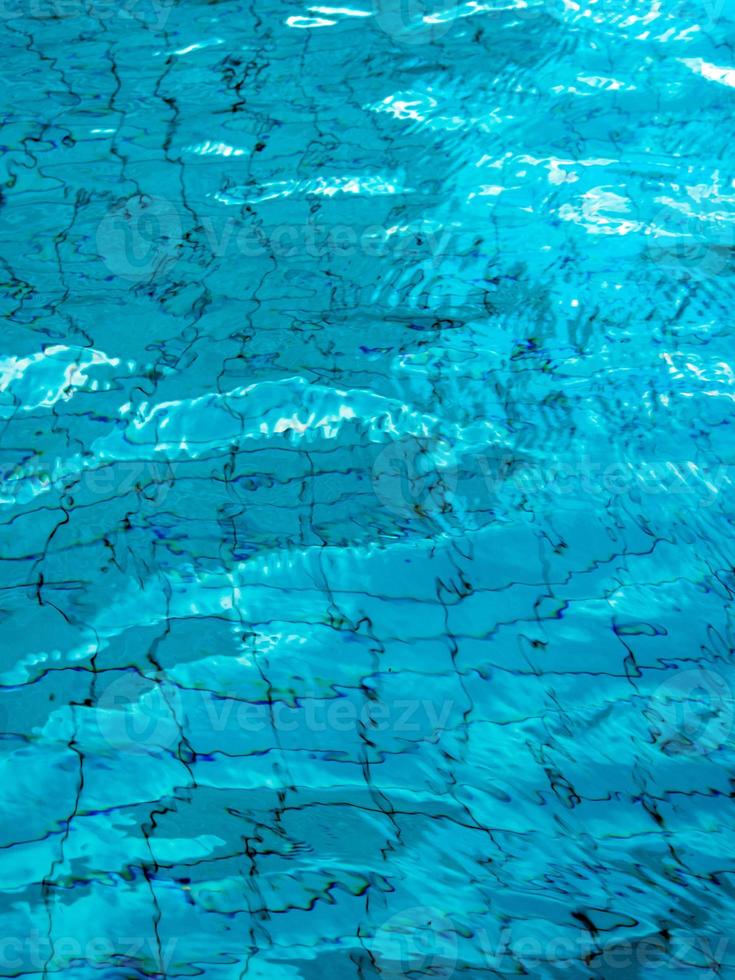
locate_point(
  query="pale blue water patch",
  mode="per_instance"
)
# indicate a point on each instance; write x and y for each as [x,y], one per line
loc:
[366,486]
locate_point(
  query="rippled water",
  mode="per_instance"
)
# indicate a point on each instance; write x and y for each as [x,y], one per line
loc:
[366,485]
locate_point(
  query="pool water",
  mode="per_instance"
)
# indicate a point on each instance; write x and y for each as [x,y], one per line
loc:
[366,479]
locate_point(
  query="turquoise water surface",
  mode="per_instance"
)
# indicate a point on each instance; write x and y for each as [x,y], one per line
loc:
[368,552]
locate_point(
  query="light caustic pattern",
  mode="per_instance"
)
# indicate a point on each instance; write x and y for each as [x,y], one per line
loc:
[366,489]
